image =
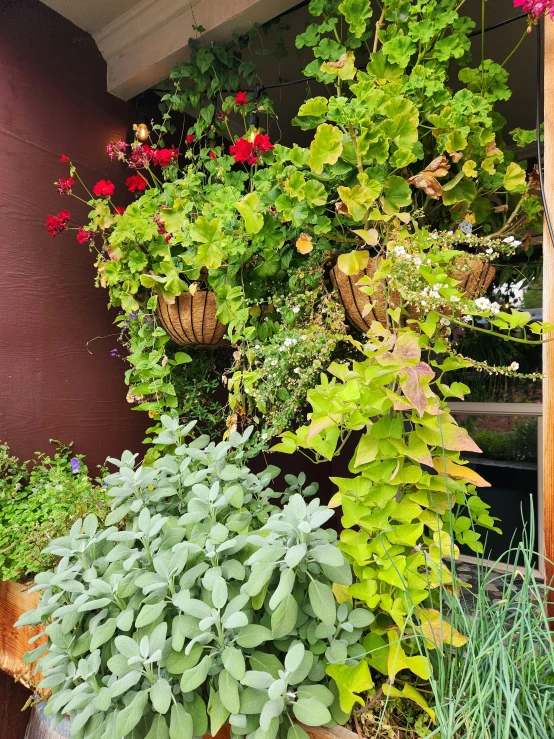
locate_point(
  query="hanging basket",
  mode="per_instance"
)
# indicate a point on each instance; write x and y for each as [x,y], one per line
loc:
[474,277]
[191,320]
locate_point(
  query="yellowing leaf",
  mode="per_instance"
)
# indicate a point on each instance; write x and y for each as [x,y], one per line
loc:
[341,593]
[448,468]
[408,692]
[353,263]
[514,179]
[370,236]
[350,680]
[345,68]
[437,630]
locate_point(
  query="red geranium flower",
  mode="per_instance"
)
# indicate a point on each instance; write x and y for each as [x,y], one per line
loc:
[249,151]
[83,235]
[63,158]
[212,155]
[136,183]
[536,8]
[241,98]
[165,157]
[58,223]
[119,209]
[104,189]
[189,138]
[65,184]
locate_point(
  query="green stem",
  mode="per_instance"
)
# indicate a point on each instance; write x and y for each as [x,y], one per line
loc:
[516,47]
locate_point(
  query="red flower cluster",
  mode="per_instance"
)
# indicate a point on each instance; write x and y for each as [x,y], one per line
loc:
[117,149]
[103,189]
[141,156]
[58,223]
[65,184]
[212,155]
[250,151]
[165,157]
[63,158]
[241,98]
[189,138]
[83,235]
[136,183]
[119,210]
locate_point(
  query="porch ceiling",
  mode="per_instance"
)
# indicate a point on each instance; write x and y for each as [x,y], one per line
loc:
[141,40]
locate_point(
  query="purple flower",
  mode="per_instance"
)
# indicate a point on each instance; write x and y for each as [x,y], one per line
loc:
[132,315]
[75,465]
[106,485]
[113,353]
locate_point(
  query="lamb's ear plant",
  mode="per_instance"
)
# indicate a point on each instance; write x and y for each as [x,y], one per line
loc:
[200,603]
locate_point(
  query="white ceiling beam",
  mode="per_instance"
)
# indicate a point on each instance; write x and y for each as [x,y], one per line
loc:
[143,45]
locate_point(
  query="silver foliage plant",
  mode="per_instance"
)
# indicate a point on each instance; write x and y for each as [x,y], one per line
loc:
[200,603]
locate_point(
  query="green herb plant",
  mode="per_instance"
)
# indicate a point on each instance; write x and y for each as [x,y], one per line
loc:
[40,504]
[199,603]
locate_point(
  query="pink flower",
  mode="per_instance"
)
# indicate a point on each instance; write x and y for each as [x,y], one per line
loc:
[58,223]
[63,158]
[241,98]
[536,8]
[104,189]
[141,156]
[136,183]
[189,138]
[65,184]
[117,149]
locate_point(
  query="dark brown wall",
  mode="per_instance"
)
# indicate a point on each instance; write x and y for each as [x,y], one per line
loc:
[53,100]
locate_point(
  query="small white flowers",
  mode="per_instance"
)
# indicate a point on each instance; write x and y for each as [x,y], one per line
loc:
[296,309]
[495,308]
[467,319]
[444,322]
[511,240]
[455,299]
[514,367]
[287,343]
[399,251]
[490,250]
[483,303]
[417,261]
[296,370]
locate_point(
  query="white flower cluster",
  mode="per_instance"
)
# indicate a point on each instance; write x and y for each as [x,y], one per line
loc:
[287,343]
[486,305]
[514,366]
[511,240]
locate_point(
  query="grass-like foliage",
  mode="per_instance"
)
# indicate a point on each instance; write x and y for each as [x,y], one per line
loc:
[501,684]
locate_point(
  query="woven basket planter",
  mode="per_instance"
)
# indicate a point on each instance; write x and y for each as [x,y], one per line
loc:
[474,278]
[15,600]
[191,320]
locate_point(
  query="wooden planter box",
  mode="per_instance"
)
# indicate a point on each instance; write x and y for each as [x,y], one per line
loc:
[14,601]
[39,729]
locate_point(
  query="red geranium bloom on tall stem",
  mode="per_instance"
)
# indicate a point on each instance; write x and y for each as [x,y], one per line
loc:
[104,189]
[83,235]
[63,158]
[189,138]
[165,157]
[119,210]
[58,223]
[241,98]
[136,183]
[65,184]
[212,155]
[249,152]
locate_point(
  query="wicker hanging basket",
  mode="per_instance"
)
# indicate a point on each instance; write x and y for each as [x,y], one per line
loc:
[474,278]
[191,320]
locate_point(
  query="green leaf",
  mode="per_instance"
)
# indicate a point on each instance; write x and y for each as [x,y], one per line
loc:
[160,695]
[149,613]
[311,712]
[194,677]
[209,235]
[323,602]
[283,619]
[229,692]
[350,681]
[515,178]
[233,661]
[253,635]
[326,147]
[103,633]
[297,732]
[217,712]
[356,13]
[396,195]
[128,717]
[463,191]
[353,263]
[158,730]
[248,207]
[180,725]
